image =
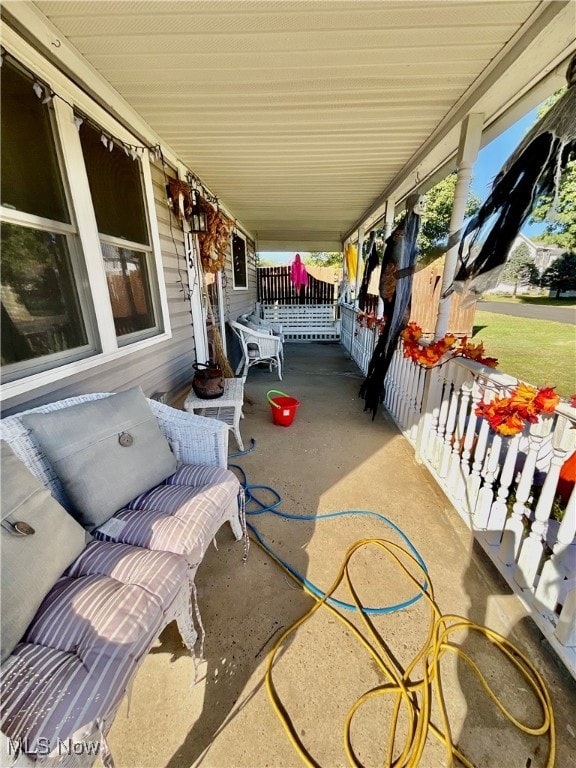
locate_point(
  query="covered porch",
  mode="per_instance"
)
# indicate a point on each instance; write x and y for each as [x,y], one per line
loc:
[308,125]
[333,457]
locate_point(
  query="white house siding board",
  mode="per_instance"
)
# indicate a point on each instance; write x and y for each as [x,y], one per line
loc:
[116,376]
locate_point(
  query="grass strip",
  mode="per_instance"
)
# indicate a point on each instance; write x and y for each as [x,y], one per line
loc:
[540,352]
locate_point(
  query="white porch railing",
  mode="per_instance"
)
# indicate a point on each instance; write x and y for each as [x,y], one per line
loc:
[504,488]
[360,342]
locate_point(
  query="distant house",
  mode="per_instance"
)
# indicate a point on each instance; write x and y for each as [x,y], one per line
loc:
[542,253]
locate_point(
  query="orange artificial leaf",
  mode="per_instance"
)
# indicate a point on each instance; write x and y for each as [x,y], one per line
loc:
[546,400]
[524,394]
[511,425]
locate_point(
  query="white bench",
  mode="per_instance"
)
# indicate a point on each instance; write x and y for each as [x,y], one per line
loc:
[304,322]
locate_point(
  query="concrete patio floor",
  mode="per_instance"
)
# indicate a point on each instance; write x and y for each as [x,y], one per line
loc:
[333,457]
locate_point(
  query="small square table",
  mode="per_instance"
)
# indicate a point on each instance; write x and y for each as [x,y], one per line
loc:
[227,408]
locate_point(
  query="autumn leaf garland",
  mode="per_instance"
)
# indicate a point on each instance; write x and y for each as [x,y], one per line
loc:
[431,354]
[506,415]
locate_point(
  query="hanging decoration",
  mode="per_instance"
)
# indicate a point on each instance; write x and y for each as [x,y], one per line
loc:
[179,199]
[351,260]
[400,252]
[349,277]
[534,170]
[46,95]
[298,274]
[509,415]
[372,261]
[429,355]
[214,242]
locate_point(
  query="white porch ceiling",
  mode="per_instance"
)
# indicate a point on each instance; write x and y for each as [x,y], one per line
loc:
[304,116]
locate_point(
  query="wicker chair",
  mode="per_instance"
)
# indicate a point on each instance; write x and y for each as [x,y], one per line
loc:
[258,346]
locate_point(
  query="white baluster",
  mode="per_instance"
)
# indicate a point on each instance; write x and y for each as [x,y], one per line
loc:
[563,442]
[433,407]
[554,570]
[425,421]
[470,444]
[393,379]
[404,393]
[442,416]
[475,477]
[406,369]
[514,528]
[481,514]
[400,383]
[417,402]
[499,511]
[566,628]
[407,393]
[455,375]
[456,480]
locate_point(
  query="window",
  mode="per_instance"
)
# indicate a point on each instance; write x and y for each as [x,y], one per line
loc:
[239,262]
[45,320]
[75,232]
[116,190]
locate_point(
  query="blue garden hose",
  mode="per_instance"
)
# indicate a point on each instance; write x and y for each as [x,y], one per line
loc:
[272,507]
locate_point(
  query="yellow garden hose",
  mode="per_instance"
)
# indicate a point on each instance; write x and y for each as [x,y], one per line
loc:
[412,689]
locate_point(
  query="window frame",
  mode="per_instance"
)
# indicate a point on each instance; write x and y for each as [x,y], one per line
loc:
[130,338]
[242,237]
[89,273]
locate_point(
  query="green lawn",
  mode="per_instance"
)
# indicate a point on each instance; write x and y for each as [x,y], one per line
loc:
[540,352]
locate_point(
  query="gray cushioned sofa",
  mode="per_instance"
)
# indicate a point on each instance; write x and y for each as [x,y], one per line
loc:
[85,591]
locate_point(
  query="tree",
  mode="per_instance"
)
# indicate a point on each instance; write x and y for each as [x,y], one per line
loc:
[435,221]
[561,274]
[560,220]
[323,258]
[520,268]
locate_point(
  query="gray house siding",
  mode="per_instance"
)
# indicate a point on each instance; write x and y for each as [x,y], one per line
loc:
[165,367]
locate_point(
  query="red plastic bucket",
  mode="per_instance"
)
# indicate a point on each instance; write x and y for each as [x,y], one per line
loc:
[283,407]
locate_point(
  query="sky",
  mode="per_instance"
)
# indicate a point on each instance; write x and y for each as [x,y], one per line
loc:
[490,159]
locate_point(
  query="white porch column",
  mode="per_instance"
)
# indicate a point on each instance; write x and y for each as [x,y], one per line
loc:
[195,281]
[360,263]
[470,135]
[388,224]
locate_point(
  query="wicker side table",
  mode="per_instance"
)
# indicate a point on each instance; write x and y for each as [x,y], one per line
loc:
[227,408]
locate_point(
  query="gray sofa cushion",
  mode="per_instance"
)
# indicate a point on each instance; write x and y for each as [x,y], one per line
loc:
[182,515]
[104,451]
[84,646]
[30,564]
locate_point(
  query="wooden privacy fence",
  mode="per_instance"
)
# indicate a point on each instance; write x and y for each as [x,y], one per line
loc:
[426,290]
[274,285]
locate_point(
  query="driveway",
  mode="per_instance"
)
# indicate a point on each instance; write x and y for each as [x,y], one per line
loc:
[536,311]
